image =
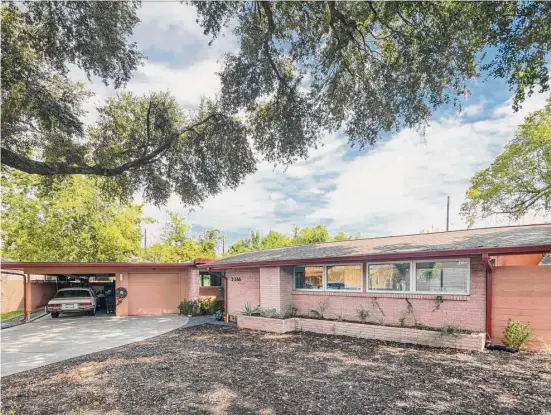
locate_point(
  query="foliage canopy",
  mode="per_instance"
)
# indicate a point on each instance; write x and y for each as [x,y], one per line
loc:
[519,179]
[302,68]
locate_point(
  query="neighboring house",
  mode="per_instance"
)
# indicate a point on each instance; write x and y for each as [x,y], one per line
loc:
[476,279]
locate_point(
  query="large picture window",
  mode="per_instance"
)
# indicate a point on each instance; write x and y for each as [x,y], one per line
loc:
[390,277]
[344,277]
[442,277]
[309,278]
[328,277]
[428,277]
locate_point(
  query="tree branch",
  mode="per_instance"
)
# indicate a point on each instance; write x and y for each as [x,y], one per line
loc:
[25,164]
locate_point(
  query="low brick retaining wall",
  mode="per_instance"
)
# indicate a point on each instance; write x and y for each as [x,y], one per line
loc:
[364,331]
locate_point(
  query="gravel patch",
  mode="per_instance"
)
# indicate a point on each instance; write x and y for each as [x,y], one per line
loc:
[217,369]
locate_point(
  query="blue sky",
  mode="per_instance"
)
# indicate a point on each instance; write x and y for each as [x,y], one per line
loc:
[399,186]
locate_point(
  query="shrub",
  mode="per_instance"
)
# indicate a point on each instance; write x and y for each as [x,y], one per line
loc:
[363,313]
[190,307]
[291,311]
[219,314]
[271,313]
[450,330]
[516,334]
[210,305]
[248,309]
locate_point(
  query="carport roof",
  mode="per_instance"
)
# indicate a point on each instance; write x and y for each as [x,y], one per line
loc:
[56,267]
[492,241]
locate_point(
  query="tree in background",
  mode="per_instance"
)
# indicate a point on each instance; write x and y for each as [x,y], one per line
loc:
[275,239]
[301,69]
[519,179]
[176,245]
[71,222]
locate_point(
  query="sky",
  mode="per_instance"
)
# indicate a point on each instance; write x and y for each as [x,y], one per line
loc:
[399,186]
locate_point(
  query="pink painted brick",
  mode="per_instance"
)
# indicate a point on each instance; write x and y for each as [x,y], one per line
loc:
[396,334]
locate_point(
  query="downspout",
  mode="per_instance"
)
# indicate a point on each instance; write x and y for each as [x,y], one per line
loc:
[489,295]
[225,288]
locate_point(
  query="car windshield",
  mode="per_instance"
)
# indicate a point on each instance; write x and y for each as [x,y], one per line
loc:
[72,293]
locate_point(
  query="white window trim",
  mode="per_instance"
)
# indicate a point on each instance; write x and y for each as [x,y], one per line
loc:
[324,278]
[367,264]
[413,279]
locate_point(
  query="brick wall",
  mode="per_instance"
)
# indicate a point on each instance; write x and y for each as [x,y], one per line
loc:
[243,287]
[468,312]
[211,292]
[365,331]
[276,288]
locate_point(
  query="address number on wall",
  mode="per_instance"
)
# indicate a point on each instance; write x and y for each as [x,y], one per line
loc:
[236,278]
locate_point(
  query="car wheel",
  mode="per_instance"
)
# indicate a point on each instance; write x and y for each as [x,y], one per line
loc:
[55,315]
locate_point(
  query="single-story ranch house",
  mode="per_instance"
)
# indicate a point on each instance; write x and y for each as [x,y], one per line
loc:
[475,279]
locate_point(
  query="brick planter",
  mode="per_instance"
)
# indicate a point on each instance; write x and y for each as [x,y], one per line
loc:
[364,331]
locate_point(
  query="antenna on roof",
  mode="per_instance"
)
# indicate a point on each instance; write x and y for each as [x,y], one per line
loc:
[448,215]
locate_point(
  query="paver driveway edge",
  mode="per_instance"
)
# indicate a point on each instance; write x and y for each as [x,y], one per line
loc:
[48,340]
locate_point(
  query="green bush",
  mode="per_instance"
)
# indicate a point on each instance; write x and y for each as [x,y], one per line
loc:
[190,307]
[450,330]
[516,334]
[249,310]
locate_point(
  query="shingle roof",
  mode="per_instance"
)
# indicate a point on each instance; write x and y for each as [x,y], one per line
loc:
[464,240]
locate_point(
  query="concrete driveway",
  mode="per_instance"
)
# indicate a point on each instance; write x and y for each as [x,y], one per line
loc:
[49,340]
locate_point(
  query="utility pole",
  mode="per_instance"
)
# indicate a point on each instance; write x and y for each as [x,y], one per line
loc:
[145,241]
[223,244]
[448,215]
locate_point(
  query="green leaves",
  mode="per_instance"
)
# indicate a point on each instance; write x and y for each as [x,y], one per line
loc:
[176,245]
[274,239]
[69,222]
[519,179]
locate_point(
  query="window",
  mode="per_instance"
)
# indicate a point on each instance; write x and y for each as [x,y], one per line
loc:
[442,277]
[207,280]
[344,277]
[73,293]
[389,277]
[309,278]
[328,277]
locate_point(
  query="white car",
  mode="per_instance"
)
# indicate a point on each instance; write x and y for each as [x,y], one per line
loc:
[73,300]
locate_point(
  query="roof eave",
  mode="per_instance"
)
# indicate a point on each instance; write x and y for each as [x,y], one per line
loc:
[516,250]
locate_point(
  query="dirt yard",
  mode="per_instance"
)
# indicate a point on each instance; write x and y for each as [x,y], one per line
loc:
[210,369]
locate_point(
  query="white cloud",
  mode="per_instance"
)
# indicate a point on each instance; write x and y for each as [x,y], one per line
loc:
[474,109]
[401,185]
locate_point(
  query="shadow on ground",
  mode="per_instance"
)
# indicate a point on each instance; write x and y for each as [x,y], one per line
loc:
[208,369]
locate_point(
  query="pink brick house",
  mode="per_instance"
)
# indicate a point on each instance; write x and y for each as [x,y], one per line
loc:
[427,279]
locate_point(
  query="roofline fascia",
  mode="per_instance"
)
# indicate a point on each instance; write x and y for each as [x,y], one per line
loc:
[380,257]
[117,265]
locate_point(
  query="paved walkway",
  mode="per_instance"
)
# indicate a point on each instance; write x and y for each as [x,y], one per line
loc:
[49,340]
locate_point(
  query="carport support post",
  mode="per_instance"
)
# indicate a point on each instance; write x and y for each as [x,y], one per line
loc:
[26,296]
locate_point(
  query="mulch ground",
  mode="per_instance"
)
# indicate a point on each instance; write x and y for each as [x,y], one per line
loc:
[210,369]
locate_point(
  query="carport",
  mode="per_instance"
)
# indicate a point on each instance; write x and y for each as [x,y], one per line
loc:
[151,288]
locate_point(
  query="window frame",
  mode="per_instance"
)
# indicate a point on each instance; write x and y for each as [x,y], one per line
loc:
[368,288]
[413,277]
[324,278]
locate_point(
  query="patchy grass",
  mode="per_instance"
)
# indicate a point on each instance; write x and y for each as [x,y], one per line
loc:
[216,370]
[10,315]
[13,314]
